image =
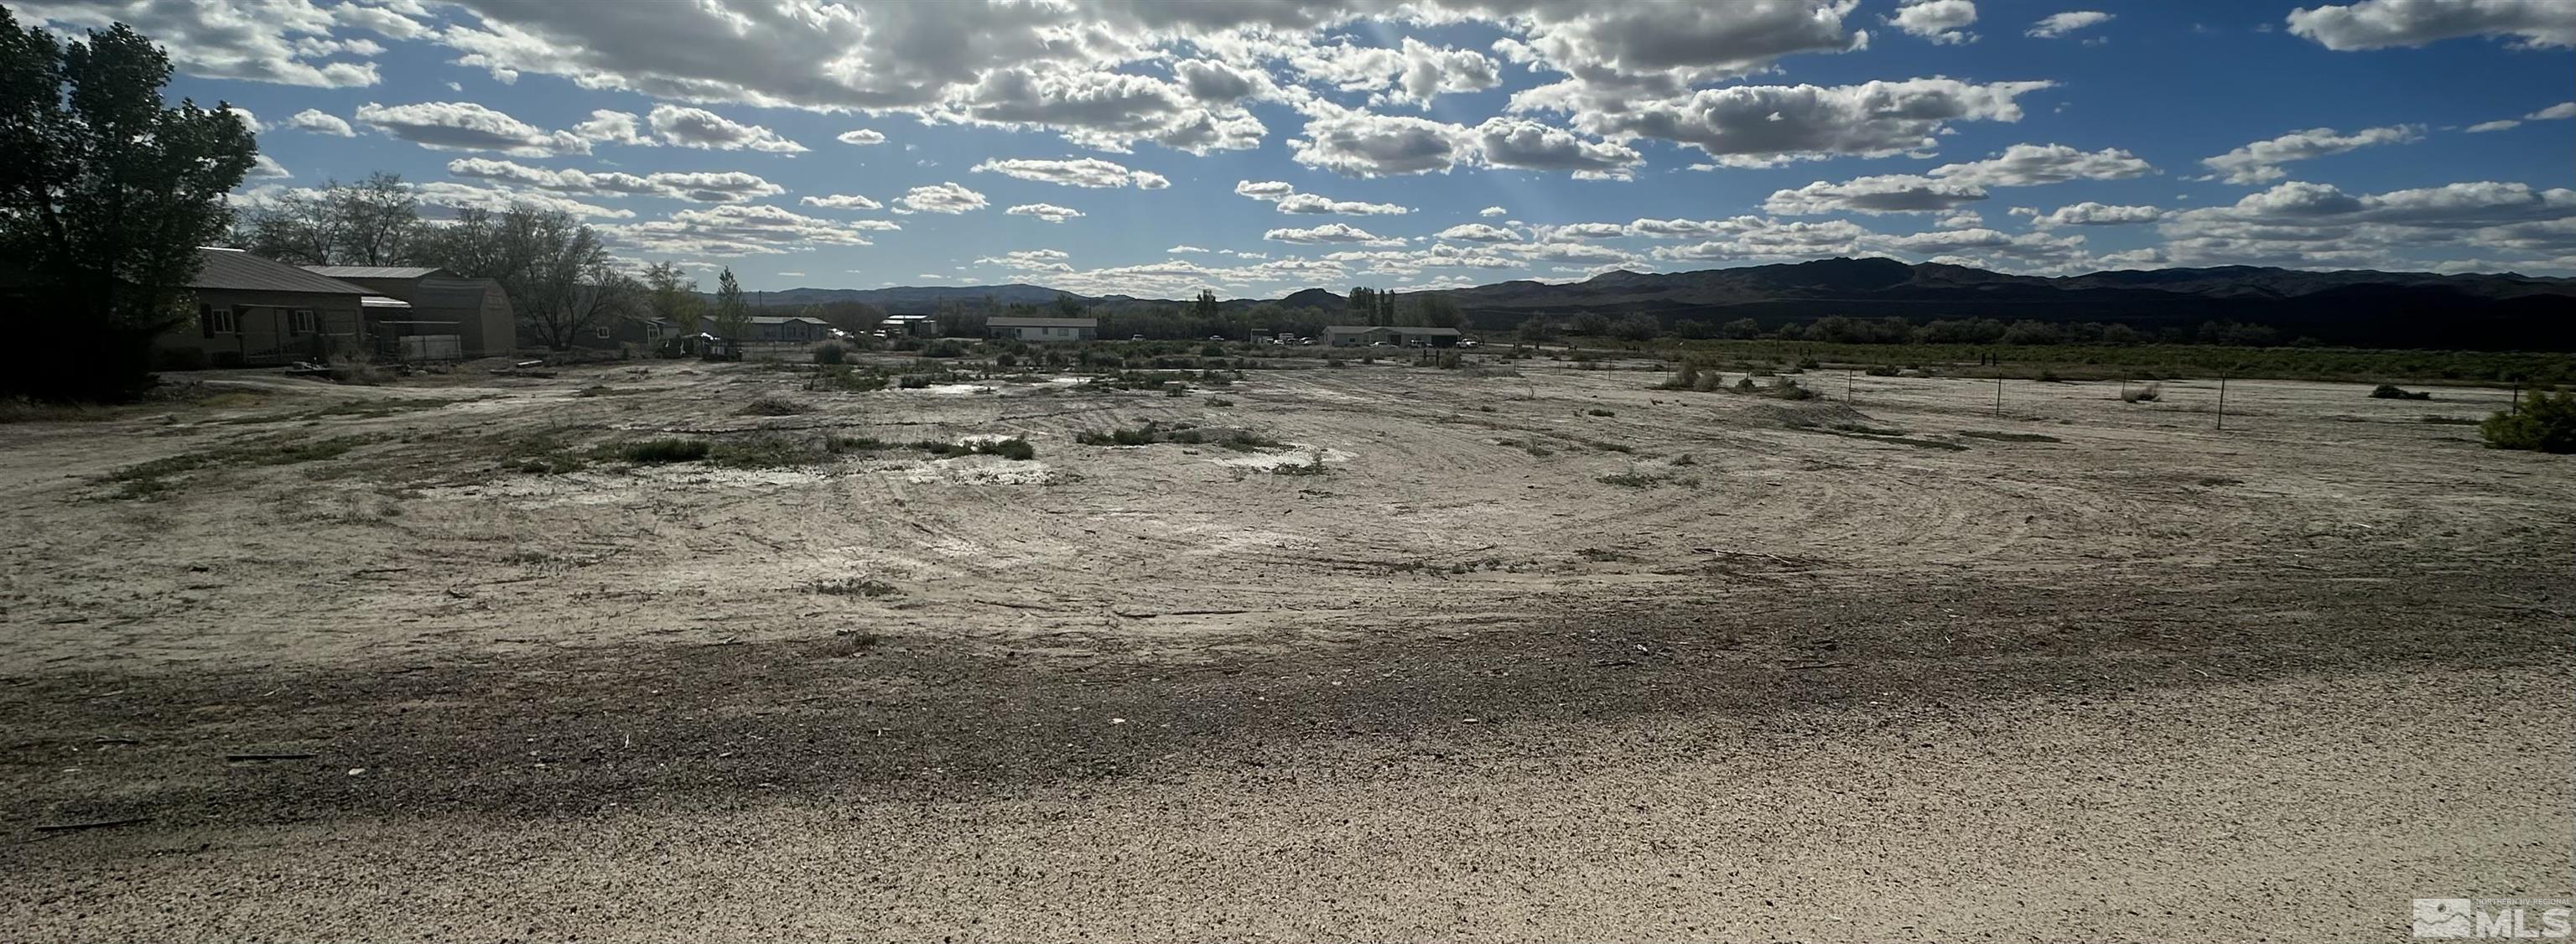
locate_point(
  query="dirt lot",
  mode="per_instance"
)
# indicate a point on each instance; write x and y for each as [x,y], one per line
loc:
[1540,654]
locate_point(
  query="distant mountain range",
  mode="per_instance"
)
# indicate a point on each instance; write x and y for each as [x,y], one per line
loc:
[2363,307]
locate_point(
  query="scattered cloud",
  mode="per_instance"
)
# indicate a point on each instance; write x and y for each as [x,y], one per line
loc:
[1767,125]
[1330,233]
[1951,185]
[2089,213]
[862,137]
[732,231]
[2380,24]
[1044,211]
[841,201]
[614,127]
[2309,225]
[1286,199]
[1886,193]
[2260,162]
[466,126]
[1941,22]
[697,186]
[449,195]
[2558,112]
[1084,172]
[287,42]
[940,198]
[2059,24]
[700,128]
[1478,233]
[1493,211]
[321,122]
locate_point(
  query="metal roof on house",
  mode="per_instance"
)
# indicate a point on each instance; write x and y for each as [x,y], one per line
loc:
[1009,322]
[377,272]
[379,301]
[783,319]
[235,270]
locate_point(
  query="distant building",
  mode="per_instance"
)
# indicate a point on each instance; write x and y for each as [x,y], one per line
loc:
[476,312]
[256,311]
[1043,329]
[794,329]
[1355,335]
[910,326]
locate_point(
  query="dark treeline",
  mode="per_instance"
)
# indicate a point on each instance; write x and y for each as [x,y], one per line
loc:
[1202,317]
[1841,330]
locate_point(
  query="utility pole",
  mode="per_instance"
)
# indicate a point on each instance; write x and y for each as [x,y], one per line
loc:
[1999,390]
[1847,385]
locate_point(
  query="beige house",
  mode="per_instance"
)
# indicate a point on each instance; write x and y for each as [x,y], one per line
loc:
[255,311]
[1043,329]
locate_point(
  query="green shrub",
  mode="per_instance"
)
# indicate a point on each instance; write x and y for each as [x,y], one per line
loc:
[2545,423]
[1599,412]
[853,586]
[2392,392]
[1013,448]
[1881,370]
[771,406]
[844,378]
[830,352]
[663,450]
[1134,436]
[2145,394]
[764,452]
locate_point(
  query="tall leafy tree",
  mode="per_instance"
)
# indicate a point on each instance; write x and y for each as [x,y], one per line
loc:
[105,194]
[673,296]
[556,270]
[733,314]
[1437,311]
[374,222]
[1536,329]
[1206,307]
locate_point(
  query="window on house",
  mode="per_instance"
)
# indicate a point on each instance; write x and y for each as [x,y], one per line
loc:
[218,320]
[300,321]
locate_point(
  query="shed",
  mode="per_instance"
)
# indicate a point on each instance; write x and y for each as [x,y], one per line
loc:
[476,311]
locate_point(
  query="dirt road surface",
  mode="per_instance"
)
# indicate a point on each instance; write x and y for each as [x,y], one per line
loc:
[1538,654]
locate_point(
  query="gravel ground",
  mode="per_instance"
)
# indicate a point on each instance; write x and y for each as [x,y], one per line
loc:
[1898,669]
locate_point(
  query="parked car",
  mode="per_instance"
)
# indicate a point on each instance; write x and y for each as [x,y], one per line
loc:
[1469,342]
[1135,337]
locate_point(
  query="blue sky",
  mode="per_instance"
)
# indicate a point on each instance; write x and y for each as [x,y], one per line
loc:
[1154,149]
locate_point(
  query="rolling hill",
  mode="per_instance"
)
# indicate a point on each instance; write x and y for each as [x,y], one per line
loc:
[2359,307]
